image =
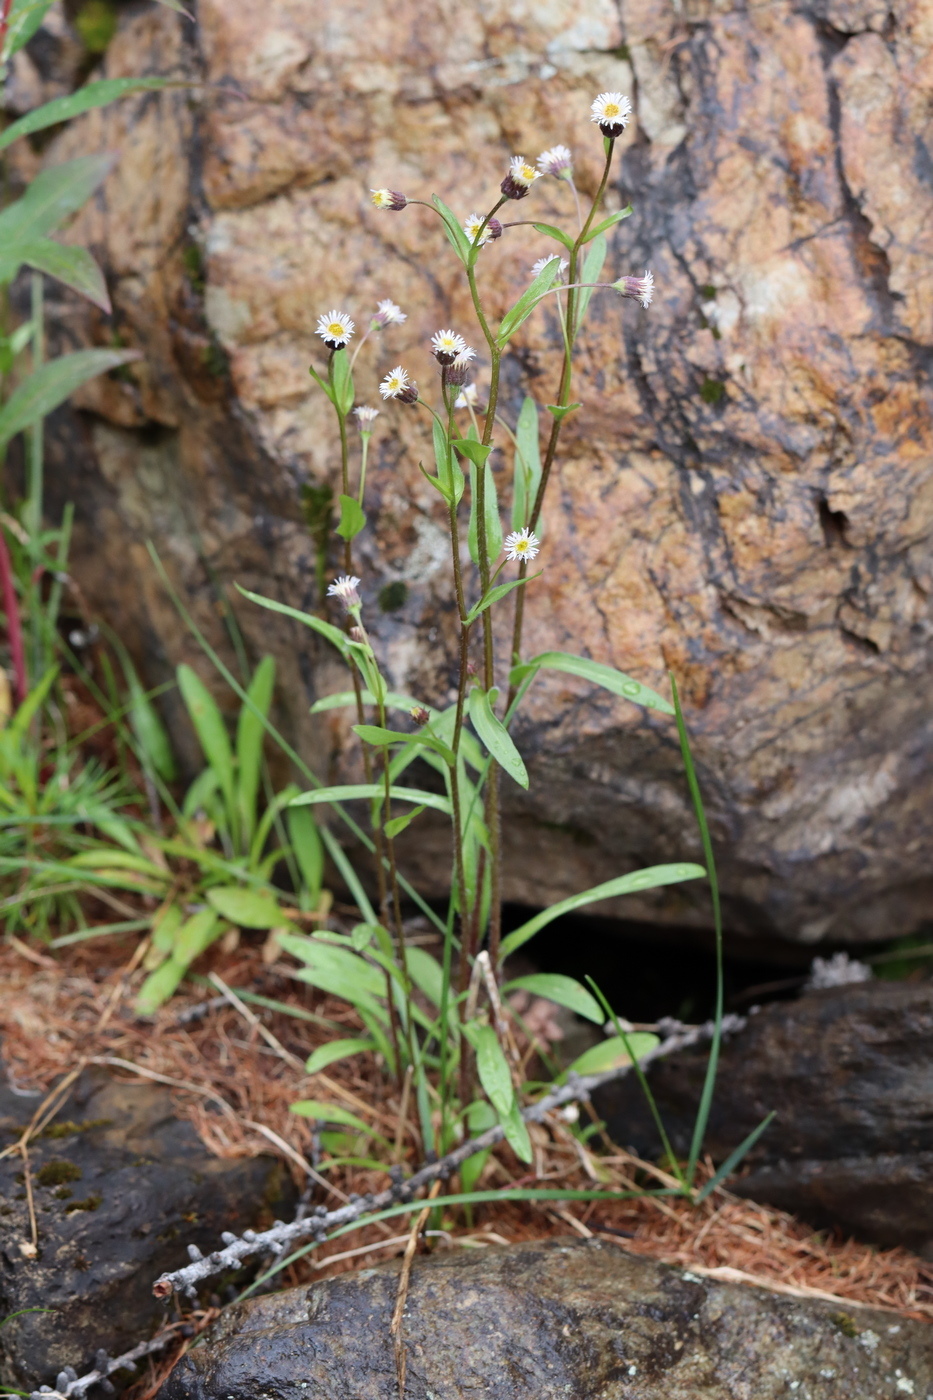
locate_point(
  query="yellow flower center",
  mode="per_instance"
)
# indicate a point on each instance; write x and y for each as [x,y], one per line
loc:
[611,109]
[521,546]
[335,330]
[528,172]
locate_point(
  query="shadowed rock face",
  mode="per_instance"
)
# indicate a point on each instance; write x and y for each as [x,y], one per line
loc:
[564,1318]
[849,1073]
[746,499]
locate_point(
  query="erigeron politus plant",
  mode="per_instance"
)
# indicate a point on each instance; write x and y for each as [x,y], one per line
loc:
[442,1022]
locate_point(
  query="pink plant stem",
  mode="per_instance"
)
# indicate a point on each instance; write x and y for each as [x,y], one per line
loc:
[13,625]
[5,8]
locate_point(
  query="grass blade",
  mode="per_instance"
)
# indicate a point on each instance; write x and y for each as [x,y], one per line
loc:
[734,1158]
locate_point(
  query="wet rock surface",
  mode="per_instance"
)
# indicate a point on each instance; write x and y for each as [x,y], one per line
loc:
[121,1187]
[849,1072]
[747,498]
[558,1319]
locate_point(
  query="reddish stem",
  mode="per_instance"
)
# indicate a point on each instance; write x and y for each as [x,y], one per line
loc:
[13,625]
[5,8]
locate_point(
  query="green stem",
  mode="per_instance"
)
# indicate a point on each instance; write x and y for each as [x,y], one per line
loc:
[364,453]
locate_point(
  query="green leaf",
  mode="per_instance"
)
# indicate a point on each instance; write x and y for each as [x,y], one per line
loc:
[734,1158]
[475,452]
[211,731]
[245,907]
[450,480]
[494,594]
[527,469]
[24,20]
[426,973]
[393,701]
[564,990]
[608,223]
[333,1113]
[611,1053]
[528,300]
[374,734]
[396,825]
[195,936]
[151,734]
[352,518]
[250,732]
[455,235]
[323,384]
[516,1134]
[33,703]
[492,1067]
[606,676]
[51,384]
[651,878]
[317,624]
[335,1050]
[496,737]
[491,512]
[308,849]
[480,1116]
[62,109]
[342,380]
[50,199]
[592,267]
[72,266]
[560,410]
[349,792]
[550,231]
[158,987]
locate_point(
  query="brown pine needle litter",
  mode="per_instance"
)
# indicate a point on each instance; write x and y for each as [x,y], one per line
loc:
[235,1070]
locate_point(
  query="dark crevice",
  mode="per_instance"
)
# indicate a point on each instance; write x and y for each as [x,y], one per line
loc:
[834,524]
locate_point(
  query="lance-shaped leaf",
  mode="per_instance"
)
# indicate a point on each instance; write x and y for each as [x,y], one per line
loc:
[52,197]
[342,380]
[490,513]
[528,300]
[62,109]
[455,235]
[350,792]
[51,384]
[608,223]
[73,266]
[375,734]
[245,907]
[352,518]
[23,22]
[496,737]
[551,232]
[527,465]
[317,624]
[592,267]
[566,991]
[494,594]
[606,676]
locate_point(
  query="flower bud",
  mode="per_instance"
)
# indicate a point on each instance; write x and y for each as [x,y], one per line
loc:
[520,178]
[388,199]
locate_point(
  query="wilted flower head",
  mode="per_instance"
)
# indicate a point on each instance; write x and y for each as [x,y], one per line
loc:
[639,288]
[458,371]
[335,329]
[520,178]
[542,263]
[521,544]
[365,417]
[419,714]
[446,346]
[345,588]
[611,111]
[388,314]
[468,397]
[388,199]
[398,385]
[557,161]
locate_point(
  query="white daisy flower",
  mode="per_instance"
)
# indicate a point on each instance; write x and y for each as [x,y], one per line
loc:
[398,385]
[639,288]
[446,346]
[468,397]
[520,178]
[557,161]
[388,199]
[365,418]
[345,588]
[611,111]
[542,263]
[388,314]
[472,227]
[521,544]
[335,329]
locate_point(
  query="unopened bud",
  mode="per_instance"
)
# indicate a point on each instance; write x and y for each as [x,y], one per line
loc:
[388,199]
[419,714]
[358,634]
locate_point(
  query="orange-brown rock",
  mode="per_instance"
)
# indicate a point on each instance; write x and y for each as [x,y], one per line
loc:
[746,497]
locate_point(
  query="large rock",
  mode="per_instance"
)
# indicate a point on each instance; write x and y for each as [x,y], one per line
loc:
[746,498]
[122,1187]
[849,1073]
[564,1318]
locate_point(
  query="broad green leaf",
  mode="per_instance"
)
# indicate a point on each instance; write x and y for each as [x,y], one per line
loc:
[250,732]
[475,452]
[651,878]
[151,734]
[516,1134]
[316,954]
[165,928]
[333,1113]
[335,1050]
[449,472]
[608,223]
[480,1116]
[494,594]
[564,990]
[73,266]
[51,198]
[51,384]
[492,1067]
[528,300]
[426,973]
[396,825]
[62,109]
[527,465]
[352,518]
[211,730]
[23,21]
[393,701]
[349,792]
[374,734]
[490,512]
[611,1053]
[317,624]
[496,737]
[159,986]
[550,231]
[245,907]
[98,859]
[455,235]
[606,676]
[323,384]
[342,380]
[308,849]
[195,936]
[592,267]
